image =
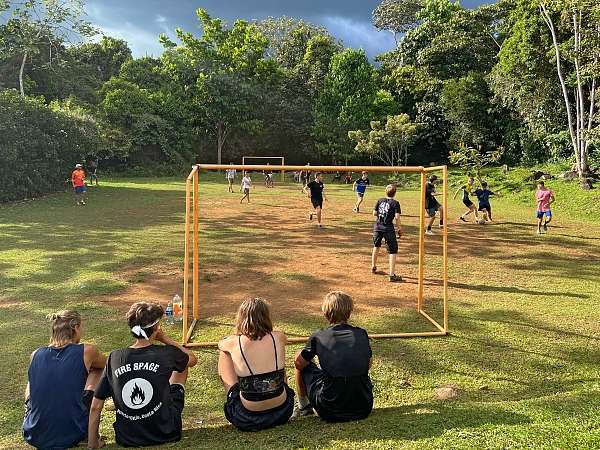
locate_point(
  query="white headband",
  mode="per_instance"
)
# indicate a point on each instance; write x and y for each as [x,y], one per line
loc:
[139,332]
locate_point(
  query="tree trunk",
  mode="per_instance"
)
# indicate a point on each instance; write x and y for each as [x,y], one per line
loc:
[21,70]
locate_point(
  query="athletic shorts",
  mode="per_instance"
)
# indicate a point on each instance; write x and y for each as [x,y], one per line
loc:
[468,203]
[317,202]
[360,194]
[79,189]
[178,399]
[246,190]
[390,240]
[547,213]
[484,207]
[431,212]
[246,420]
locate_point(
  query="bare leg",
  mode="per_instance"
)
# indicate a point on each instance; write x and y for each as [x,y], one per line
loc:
[318,210]
[540,224]
[226,371]
[374,256]
[441,210]
[179,377]
[299,381]
[430,222]
[392,264]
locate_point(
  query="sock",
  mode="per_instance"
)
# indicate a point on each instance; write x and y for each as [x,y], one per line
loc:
[429,228]
[303,401]
[441,222]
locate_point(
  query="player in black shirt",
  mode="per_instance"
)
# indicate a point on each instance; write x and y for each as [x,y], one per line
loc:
[432,206]
[316,196]
[146,382]
[339,389]
[387,211]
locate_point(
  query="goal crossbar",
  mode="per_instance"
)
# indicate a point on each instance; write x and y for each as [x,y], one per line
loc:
[192,210]
[281,158]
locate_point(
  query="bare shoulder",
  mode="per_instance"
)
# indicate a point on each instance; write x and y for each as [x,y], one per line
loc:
[280,336]
[226,343]
[90,349]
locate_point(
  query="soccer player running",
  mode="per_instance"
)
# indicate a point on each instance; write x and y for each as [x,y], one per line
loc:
[544,197]
[316,195]
[78,182]
[387,212]
[483,195]
[360,187]
[246,185]
[432,206]
[230,175]
[467,191]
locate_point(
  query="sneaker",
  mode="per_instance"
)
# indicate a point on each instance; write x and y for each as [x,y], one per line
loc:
[310,216]
[302,412]
[545,226]
[357,209]
[540,231]
[373,269]
[462,218]
[83,203]
[395,278]
[429,232]
[354,209]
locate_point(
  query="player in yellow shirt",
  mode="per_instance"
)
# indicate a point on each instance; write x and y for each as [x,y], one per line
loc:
[467,191]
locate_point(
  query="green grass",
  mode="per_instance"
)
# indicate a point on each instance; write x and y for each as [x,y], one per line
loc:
[524,347]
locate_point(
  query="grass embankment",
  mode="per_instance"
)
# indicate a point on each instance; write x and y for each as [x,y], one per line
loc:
[524,343]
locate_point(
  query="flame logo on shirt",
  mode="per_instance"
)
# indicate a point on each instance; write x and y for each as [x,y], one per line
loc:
[137,395]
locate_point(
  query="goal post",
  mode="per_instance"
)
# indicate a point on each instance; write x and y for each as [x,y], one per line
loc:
[280,158]
[192,211]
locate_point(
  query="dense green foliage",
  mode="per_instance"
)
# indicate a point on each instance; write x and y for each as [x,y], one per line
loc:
[483,78]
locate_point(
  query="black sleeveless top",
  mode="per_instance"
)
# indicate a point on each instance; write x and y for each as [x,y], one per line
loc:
[262,386]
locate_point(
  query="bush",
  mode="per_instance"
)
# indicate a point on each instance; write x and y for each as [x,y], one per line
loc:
[40,145]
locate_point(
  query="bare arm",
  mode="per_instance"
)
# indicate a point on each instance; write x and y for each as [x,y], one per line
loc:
[94,359]
[162,337]
[94,440]
[456,193]
[398,224]
[300,362]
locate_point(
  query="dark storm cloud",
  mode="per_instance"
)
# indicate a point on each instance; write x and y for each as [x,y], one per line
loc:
[140,22]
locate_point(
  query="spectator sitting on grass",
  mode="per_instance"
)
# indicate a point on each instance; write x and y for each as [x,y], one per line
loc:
[340,389]
[61,382]
[252,369]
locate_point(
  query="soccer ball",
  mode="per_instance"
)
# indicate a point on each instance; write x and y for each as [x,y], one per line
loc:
[481,221]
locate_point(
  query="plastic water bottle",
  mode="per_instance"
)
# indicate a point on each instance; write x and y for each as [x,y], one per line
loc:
[177,308]
[169,313]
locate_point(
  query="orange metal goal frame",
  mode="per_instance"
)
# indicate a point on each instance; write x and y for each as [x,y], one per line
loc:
[244,158]
[192,229]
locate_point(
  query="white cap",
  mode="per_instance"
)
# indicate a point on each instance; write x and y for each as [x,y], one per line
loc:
[77,166]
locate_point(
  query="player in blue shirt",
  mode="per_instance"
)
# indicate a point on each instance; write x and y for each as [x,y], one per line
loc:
[483,195]
[360,187]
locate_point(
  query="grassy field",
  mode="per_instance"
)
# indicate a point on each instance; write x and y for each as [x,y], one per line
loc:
[523,351]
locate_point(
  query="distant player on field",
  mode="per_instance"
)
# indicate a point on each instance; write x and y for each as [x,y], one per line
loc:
[483,195]
[246,185]
[78,182]
[387,212]
[432,206]
[544,198]
[316,195]
[360,187]
[230,175]
[467,191]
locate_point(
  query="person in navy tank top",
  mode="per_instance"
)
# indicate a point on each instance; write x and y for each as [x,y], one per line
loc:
[61,381]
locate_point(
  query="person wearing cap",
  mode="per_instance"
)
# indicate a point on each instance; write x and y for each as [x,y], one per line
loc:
[146,382]
[78,182]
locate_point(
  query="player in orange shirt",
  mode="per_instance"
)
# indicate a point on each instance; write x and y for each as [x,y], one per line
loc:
[78,182]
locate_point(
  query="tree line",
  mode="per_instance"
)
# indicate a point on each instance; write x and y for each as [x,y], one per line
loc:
[514,82]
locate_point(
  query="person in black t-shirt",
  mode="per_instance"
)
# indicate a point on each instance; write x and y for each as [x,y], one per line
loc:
[316,196]
[146,382]
[340,389]
[432,206]
[387,213]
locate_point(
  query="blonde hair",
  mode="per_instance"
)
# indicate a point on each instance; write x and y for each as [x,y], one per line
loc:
[64,324]
[253,319]
[337,307]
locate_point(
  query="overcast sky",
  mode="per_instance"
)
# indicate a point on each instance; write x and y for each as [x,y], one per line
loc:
[139,22]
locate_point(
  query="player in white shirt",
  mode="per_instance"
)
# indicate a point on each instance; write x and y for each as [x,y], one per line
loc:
[246,185]
[230,175]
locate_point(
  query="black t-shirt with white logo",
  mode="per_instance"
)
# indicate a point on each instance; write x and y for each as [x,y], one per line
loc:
[138,381]
[386,209]
[316,189]
[344,354]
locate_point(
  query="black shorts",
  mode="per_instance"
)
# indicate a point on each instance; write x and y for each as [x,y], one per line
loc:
[245,420]
[360,194]
[468,203]
[390,240]
[178,398]
[317,202]
[483,207]
[433,209]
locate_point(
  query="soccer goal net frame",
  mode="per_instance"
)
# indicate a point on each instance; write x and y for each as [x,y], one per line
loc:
[281,158]
[191,246]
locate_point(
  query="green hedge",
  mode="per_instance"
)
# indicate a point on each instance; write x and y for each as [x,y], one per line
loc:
[39,146]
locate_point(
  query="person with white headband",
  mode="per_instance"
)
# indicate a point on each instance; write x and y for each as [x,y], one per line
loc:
[146,382]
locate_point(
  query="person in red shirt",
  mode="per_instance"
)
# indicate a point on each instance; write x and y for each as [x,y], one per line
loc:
[544,198]
[78,182]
